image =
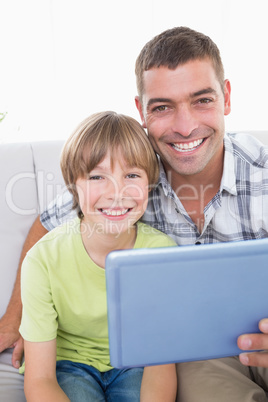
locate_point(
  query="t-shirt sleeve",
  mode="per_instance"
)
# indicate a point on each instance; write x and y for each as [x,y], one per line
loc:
[58,211]
[39,317]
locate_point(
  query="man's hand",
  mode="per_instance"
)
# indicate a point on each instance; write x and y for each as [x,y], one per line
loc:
[10,338]
[255,342]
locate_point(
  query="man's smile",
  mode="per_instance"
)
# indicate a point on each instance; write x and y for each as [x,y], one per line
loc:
[187,146]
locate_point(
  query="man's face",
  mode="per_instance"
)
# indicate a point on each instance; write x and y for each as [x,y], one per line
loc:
[183,111]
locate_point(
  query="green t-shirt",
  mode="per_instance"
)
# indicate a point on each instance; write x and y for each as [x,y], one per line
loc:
[64,294]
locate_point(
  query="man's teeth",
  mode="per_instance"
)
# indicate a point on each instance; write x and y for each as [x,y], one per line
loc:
[182,147]
[114,212]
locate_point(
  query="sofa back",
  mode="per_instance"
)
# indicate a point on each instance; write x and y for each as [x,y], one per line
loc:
[30,178]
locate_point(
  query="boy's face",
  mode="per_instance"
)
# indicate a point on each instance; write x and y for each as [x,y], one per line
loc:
[113,199]
[183,110]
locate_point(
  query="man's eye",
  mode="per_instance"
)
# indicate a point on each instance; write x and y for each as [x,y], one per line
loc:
[161,108]
[205,100]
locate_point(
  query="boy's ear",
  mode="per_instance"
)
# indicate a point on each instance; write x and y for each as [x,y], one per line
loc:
[139,107]
[150,187]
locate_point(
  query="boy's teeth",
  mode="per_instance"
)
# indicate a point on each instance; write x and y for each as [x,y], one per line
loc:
[114,212]
[187,146]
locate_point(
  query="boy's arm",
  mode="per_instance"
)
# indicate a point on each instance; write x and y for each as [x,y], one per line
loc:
[9,323]
[159,384]
[40,382]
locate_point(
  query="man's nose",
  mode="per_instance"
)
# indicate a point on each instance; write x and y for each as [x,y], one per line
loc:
[184,121]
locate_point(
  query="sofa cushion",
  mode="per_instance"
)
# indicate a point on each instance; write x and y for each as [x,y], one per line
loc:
[30,178]
[46,159]
[18,209]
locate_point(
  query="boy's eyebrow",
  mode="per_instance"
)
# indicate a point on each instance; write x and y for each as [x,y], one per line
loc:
[204,91]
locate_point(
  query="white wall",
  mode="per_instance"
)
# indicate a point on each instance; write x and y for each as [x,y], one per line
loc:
[61,60]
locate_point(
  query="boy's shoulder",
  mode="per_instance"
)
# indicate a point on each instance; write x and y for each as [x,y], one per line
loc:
[152,237]
[65,229]
[60,234]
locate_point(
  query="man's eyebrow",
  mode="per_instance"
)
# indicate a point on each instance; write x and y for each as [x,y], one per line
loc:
[203,92]
[157,100]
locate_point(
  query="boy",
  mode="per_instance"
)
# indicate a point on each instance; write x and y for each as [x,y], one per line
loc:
[108,165]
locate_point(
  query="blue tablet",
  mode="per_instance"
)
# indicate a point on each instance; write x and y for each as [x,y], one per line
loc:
[179,304]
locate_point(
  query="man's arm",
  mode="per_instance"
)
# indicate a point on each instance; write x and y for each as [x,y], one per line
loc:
[10,322]
[255,342]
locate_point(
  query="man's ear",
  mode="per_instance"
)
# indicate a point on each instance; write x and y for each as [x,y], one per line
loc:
[227,97]
[139,107]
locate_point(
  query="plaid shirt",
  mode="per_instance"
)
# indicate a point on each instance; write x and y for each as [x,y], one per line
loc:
[239,211]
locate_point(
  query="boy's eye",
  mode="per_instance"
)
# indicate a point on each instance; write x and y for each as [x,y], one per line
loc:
[132,175]
[95,177]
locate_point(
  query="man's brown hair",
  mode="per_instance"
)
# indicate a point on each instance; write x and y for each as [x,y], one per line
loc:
[175,47]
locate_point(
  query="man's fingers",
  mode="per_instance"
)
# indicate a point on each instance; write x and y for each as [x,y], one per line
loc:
[263,325]
[17,353]
[255,342]
[259,359]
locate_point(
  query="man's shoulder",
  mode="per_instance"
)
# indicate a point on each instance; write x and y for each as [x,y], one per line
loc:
[58,211]
[245,147]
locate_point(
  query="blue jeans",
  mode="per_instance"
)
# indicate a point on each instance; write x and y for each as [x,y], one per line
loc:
[83,383]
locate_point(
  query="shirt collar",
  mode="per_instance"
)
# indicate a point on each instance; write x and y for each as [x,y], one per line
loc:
[163,181]
[228,181]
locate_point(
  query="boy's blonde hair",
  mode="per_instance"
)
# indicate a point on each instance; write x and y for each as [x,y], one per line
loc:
[98,134]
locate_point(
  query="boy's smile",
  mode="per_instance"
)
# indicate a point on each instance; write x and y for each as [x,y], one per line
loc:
[115,212]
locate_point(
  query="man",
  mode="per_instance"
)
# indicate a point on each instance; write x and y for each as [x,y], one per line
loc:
[212,187]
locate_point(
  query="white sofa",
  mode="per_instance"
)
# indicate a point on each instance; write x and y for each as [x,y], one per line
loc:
[30,178]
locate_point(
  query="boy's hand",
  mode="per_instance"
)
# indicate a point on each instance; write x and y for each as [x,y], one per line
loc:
[255,342]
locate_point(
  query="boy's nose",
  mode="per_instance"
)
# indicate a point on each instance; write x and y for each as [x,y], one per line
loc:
[115,189]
